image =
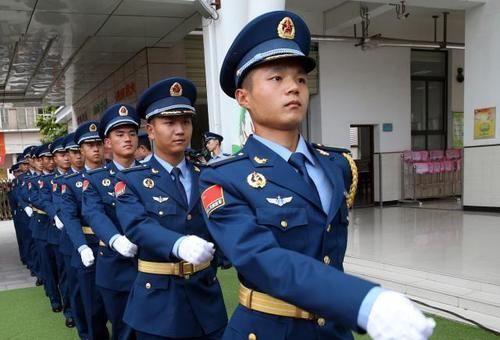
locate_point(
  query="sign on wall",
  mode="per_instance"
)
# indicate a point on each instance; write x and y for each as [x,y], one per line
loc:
[484,123]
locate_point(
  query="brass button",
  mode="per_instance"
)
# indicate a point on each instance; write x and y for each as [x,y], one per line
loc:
[161,213]
[284,223]
[101,253]
[321,322]
[326,259]
[113,204]
[189,217]
[148,285]
[252,336]
[328,228]
[347,218]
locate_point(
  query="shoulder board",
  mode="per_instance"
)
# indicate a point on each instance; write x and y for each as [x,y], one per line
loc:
[330,148]
[230,159]
[138,167]
[72,175]
[93,171]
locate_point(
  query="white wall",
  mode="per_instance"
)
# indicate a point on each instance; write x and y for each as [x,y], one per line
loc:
[456,59]
[482,89]
[367,87]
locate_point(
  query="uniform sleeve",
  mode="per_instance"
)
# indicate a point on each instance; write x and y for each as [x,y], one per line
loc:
[279,272]
[139,227]
[93,212]
[70,217]
[22,195]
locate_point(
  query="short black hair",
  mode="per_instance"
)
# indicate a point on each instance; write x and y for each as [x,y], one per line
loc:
[144,141]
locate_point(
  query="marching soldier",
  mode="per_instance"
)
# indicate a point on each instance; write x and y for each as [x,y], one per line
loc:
[176,293]
[43,223]
[51,198]
[81,233]
[66,247]
[279,209]
[115,267]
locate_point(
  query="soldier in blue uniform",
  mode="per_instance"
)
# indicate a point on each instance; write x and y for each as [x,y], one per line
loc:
[115,267]
[66,247]
[213,143]
[176,293]
[81,233]
[43,223]
[279,208]
[51,195]
[24,212]
[18,169]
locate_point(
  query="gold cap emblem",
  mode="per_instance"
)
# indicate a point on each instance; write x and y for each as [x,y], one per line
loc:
[176,90]
[256,180]
[123,111]
[286,29]
[92,127]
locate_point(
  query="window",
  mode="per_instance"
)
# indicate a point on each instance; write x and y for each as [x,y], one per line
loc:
[428,99]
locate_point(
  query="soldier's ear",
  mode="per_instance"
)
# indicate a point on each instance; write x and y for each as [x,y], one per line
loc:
[150,129]
[241,95]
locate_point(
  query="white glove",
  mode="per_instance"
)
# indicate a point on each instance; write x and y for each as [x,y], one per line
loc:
[393,316]
[87,257]
[28,211]
[196,250]
[58,222]
[123,245]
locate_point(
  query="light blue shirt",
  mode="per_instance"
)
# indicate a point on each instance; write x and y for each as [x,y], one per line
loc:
[325,191]
[147,158]
[185,178]
[315,171]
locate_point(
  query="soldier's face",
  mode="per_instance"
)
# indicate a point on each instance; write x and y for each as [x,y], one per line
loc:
[48,163]
[76,158]
[212,144]
[141,153]
[122,141]
[276,95]
[37,164]
[23,167]
[171,135]
[93,152]
[62,160]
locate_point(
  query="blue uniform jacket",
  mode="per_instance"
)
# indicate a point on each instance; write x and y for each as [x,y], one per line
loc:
[66,246]
[72,218]
[282,243]
[40,221]
[154,217]
[113,271]
[49,206]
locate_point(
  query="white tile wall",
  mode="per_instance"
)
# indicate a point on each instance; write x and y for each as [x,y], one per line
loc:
[481,176]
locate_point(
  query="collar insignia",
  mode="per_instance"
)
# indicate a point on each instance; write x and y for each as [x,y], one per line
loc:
[259,160]
[279,201]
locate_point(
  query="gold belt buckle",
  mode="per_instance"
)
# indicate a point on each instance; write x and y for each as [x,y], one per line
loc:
[186,269]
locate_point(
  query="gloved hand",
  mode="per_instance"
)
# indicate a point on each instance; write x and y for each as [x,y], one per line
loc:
[123,245]
[87,257]
[196,250]
[393,316]
[28,211]
[58,222]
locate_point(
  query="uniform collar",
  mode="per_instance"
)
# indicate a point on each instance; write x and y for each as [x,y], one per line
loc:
[284,152]
[168,167]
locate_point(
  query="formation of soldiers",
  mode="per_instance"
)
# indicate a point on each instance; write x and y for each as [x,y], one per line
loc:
[139,244]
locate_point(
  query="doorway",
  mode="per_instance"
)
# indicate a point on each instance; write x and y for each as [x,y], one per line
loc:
[361,138]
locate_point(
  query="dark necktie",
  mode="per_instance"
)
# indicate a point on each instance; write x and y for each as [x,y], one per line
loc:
[298,161]
[176,172]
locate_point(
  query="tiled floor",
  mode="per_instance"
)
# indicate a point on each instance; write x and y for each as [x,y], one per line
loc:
[448,242]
